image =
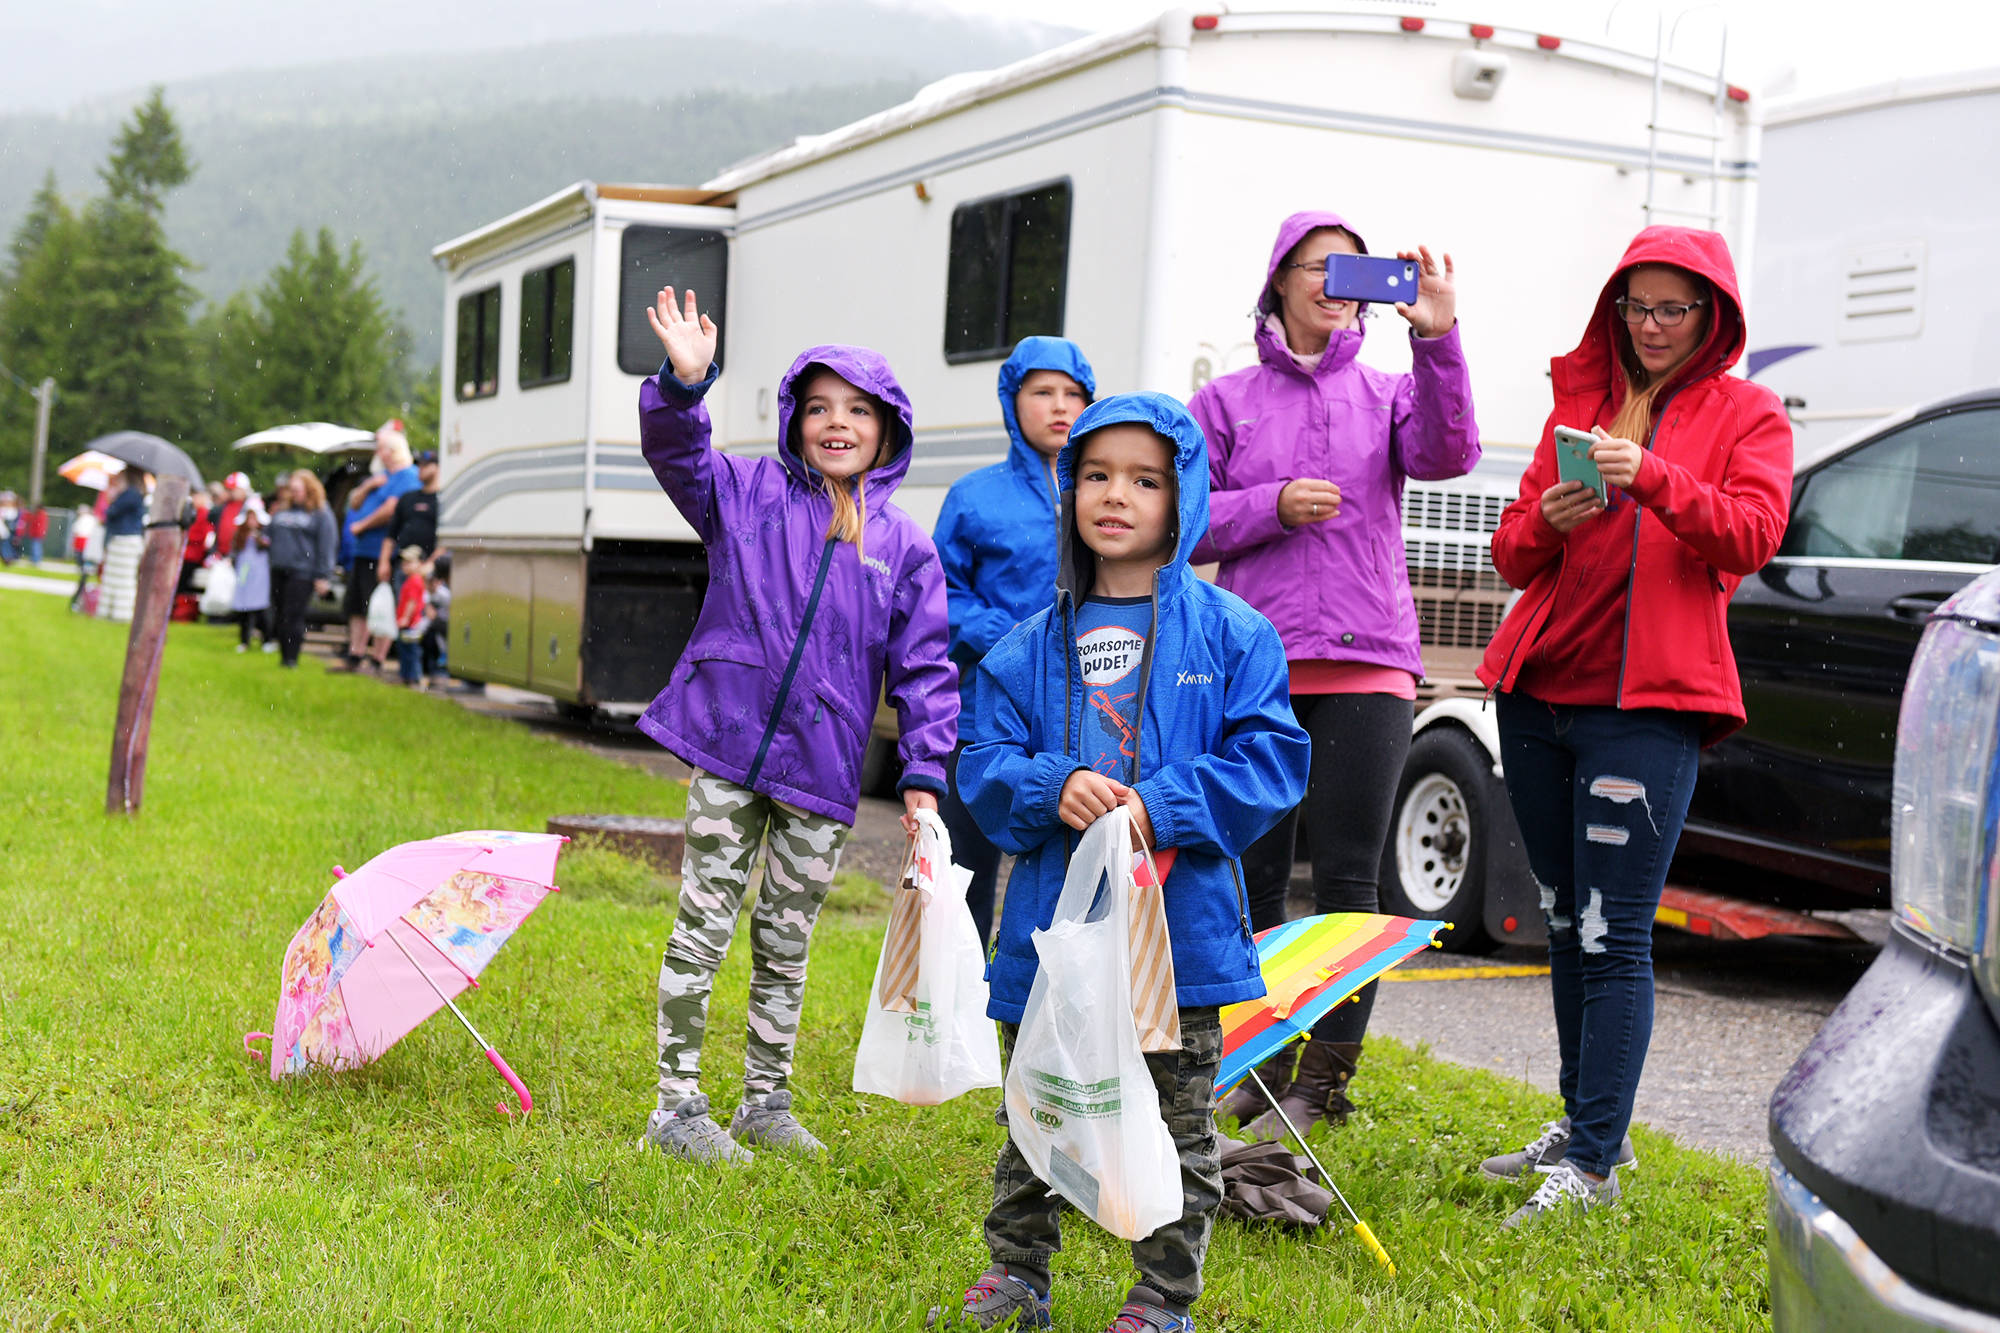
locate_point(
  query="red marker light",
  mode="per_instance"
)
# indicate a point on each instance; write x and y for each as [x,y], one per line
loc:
[1510,924]
[1738,94]
[1482,31]
[1413,25]
[1548,43]
[1206,22]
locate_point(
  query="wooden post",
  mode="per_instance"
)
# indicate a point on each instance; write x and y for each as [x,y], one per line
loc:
[159,570]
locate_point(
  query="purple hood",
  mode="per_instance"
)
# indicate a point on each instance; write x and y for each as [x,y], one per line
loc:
[799,635]
[1338,590]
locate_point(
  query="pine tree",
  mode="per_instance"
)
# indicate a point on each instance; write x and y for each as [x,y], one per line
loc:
[327,348]
[35,331]
[147,158]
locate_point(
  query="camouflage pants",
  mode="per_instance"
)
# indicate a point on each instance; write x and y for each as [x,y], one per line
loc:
[725,825]
[1024,1228]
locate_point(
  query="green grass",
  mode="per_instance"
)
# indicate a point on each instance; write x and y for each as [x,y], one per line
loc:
[153,1176]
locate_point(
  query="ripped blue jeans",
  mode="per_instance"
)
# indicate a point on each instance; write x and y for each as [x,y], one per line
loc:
[1600,795]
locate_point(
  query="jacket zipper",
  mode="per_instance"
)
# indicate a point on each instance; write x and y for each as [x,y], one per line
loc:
[792,667]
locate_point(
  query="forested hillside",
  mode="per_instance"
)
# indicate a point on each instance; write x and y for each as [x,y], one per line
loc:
[406,151]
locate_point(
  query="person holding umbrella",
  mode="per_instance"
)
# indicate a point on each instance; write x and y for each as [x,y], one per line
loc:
[124,543]
[1308,452]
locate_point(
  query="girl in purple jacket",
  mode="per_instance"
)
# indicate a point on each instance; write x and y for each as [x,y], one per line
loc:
[1308,451]
[820,593]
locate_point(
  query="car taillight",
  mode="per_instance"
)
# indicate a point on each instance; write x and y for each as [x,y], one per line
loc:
[1942,856]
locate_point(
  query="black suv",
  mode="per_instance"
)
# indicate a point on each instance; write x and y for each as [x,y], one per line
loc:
[1795,807]
[1885,1189]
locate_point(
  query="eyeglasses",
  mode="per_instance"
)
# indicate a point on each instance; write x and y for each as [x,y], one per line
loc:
[1666,316]
[1318,270]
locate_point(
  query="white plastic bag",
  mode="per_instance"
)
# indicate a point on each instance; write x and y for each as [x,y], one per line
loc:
[382,612]
[948,1046]
[1081,1105]
[219,597]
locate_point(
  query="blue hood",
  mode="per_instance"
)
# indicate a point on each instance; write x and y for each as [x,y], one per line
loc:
[869,372]
[1032,354]
[1167,418]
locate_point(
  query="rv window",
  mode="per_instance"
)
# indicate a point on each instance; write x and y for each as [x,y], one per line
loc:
[548,296]
[1008,272]
[656,257]
[477,371]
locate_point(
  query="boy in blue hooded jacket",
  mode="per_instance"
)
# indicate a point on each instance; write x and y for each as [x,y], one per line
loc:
[995,540]
[1145,686]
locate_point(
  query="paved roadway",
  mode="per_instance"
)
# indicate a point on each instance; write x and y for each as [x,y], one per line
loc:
[1730,1018]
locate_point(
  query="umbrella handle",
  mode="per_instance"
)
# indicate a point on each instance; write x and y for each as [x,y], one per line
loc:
[513,1081]
[1374,1247]
[249,1037]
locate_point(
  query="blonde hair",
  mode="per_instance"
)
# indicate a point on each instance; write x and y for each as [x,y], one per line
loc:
[850,509]
[315,493]
[1635,415]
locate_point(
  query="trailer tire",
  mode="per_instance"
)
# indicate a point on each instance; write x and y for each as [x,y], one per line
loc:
[1440,836]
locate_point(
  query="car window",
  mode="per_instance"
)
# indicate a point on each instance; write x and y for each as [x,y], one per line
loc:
[1930,491]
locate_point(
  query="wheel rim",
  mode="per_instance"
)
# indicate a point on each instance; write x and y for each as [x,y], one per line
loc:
[1433,834]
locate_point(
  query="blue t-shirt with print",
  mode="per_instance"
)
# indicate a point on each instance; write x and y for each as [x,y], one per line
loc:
[1110,642]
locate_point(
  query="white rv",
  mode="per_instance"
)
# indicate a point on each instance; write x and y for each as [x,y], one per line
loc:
[1875,249]
[1121,191]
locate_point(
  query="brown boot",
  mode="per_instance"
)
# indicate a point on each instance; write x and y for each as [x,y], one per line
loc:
[1318,1091]
[1245,1100]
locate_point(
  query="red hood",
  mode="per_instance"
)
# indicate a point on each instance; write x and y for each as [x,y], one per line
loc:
[1591,367]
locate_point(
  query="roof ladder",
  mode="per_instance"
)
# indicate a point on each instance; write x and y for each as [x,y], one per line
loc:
[1719,104]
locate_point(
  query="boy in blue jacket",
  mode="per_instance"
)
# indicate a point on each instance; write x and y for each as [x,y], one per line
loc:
[1145,686]
[995,540]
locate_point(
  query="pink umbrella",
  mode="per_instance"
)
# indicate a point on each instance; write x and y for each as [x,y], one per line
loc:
[443,907]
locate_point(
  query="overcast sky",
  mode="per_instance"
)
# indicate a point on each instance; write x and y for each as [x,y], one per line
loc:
[60,52]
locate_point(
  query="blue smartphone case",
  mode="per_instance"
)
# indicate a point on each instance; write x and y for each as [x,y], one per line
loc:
[1370,278]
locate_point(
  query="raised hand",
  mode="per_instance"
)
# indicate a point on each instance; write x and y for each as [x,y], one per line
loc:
[1436,307]
[688,336]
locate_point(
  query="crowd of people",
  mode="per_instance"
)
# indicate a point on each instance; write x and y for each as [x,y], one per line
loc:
[23,529]
[1051,657]
[260,560]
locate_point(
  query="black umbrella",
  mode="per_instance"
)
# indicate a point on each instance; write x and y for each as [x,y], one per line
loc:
[149,452]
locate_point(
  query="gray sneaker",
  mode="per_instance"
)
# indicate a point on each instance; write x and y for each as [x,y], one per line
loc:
[688,1133]
[998,1299]
[772,1125]
[1543,1152]
[1564,1186]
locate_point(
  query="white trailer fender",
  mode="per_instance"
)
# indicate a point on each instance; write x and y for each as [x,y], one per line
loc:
[1473,715]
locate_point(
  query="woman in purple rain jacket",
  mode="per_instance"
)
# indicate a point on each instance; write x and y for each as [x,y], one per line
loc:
[1308,451]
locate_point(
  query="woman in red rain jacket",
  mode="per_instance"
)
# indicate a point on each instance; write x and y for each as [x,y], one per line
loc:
[1614,668]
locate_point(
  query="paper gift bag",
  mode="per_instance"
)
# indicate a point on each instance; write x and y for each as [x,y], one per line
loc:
[896,986]
[1155,1010]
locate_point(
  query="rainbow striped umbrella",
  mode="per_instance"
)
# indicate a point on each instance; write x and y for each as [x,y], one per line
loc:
[1311,965]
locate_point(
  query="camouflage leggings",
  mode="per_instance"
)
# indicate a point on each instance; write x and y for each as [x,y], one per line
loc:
[1024,1229]
[725,824]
